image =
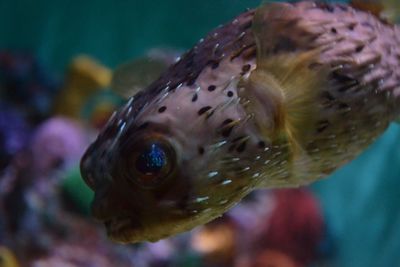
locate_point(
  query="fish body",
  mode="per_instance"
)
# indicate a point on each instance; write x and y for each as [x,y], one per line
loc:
[280,96]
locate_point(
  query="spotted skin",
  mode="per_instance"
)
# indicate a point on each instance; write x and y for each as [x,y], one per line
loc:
[220,154]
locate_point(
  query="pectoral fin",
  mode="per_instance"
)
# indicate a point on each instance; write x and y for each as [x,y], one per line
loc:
[282,93]
[282,96]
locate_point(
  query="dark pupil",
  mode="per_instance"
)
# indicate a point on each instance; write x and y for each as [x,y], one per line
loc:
[152,160]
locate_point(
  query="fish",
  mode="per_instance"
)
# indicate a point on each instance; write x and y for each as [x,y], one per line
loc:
[279,97]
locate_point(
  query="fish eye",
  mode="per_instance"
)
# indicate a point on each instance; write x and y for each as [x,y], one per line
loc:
[152,162]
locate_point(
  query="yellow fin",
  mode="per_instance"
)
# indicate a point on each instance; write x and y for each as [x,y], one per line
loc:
[131,77]
[282,92]
[385,9]
[282,95]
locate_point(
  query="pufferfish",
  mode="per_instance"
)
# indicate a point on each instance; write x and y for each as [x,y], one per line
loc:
[281,96]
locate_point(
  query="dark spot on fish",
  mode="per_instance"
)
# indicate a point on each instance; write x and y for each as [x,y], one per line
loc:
[246,68]
[143,125]
[191,81]
[359,48]
[261,144]
[348,86]
[226,131]
[284,45]
[342,7]
[203,110]
[229,94]
[322,125]
[327,7]
[210,114]
[162,109]
[211,88]
[194,98]
[247,25]
[242,51]
[172,87]
[333,30]
[201,150]
[344,79]
[239,138]
[351,27]
[215,65]
[241,147]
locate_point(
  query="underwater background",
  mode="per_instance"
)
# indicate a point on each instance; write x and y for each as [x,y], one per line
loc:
[40,44]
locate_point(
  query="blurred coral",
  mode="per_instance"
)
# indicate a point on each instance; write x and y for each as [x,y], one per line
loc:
[26,83]
[14,133]
[84,78]
[295,228]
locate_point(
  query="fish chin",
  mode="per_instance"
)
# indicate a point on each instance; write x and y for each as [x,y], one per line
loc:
[128,230]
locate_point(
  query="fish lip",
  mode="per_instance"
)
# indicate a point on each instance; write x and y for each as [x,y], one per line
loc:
[123,229]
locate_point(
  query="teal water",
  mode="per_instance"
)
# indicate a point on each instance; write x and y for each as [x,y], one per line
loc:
[361,201]
[111,31]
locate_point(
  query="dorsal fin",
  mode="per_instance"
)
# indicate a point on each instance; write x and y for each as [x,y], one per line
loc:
[131,77]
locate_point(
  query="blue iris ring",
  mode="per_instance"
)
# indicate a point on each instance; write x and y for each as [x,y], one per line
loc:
[152,160]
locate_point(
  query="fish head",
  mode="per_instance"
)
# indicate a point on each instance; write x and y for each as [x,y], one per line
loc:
[163,164]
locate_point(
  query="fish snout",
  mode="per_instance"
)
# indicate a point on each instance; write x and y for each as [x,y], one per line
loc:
[86,170]
[94,167]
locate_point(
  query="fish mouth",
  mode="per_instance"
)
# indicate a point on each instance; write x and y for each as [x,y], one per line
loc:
[123,230]
[127,229]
